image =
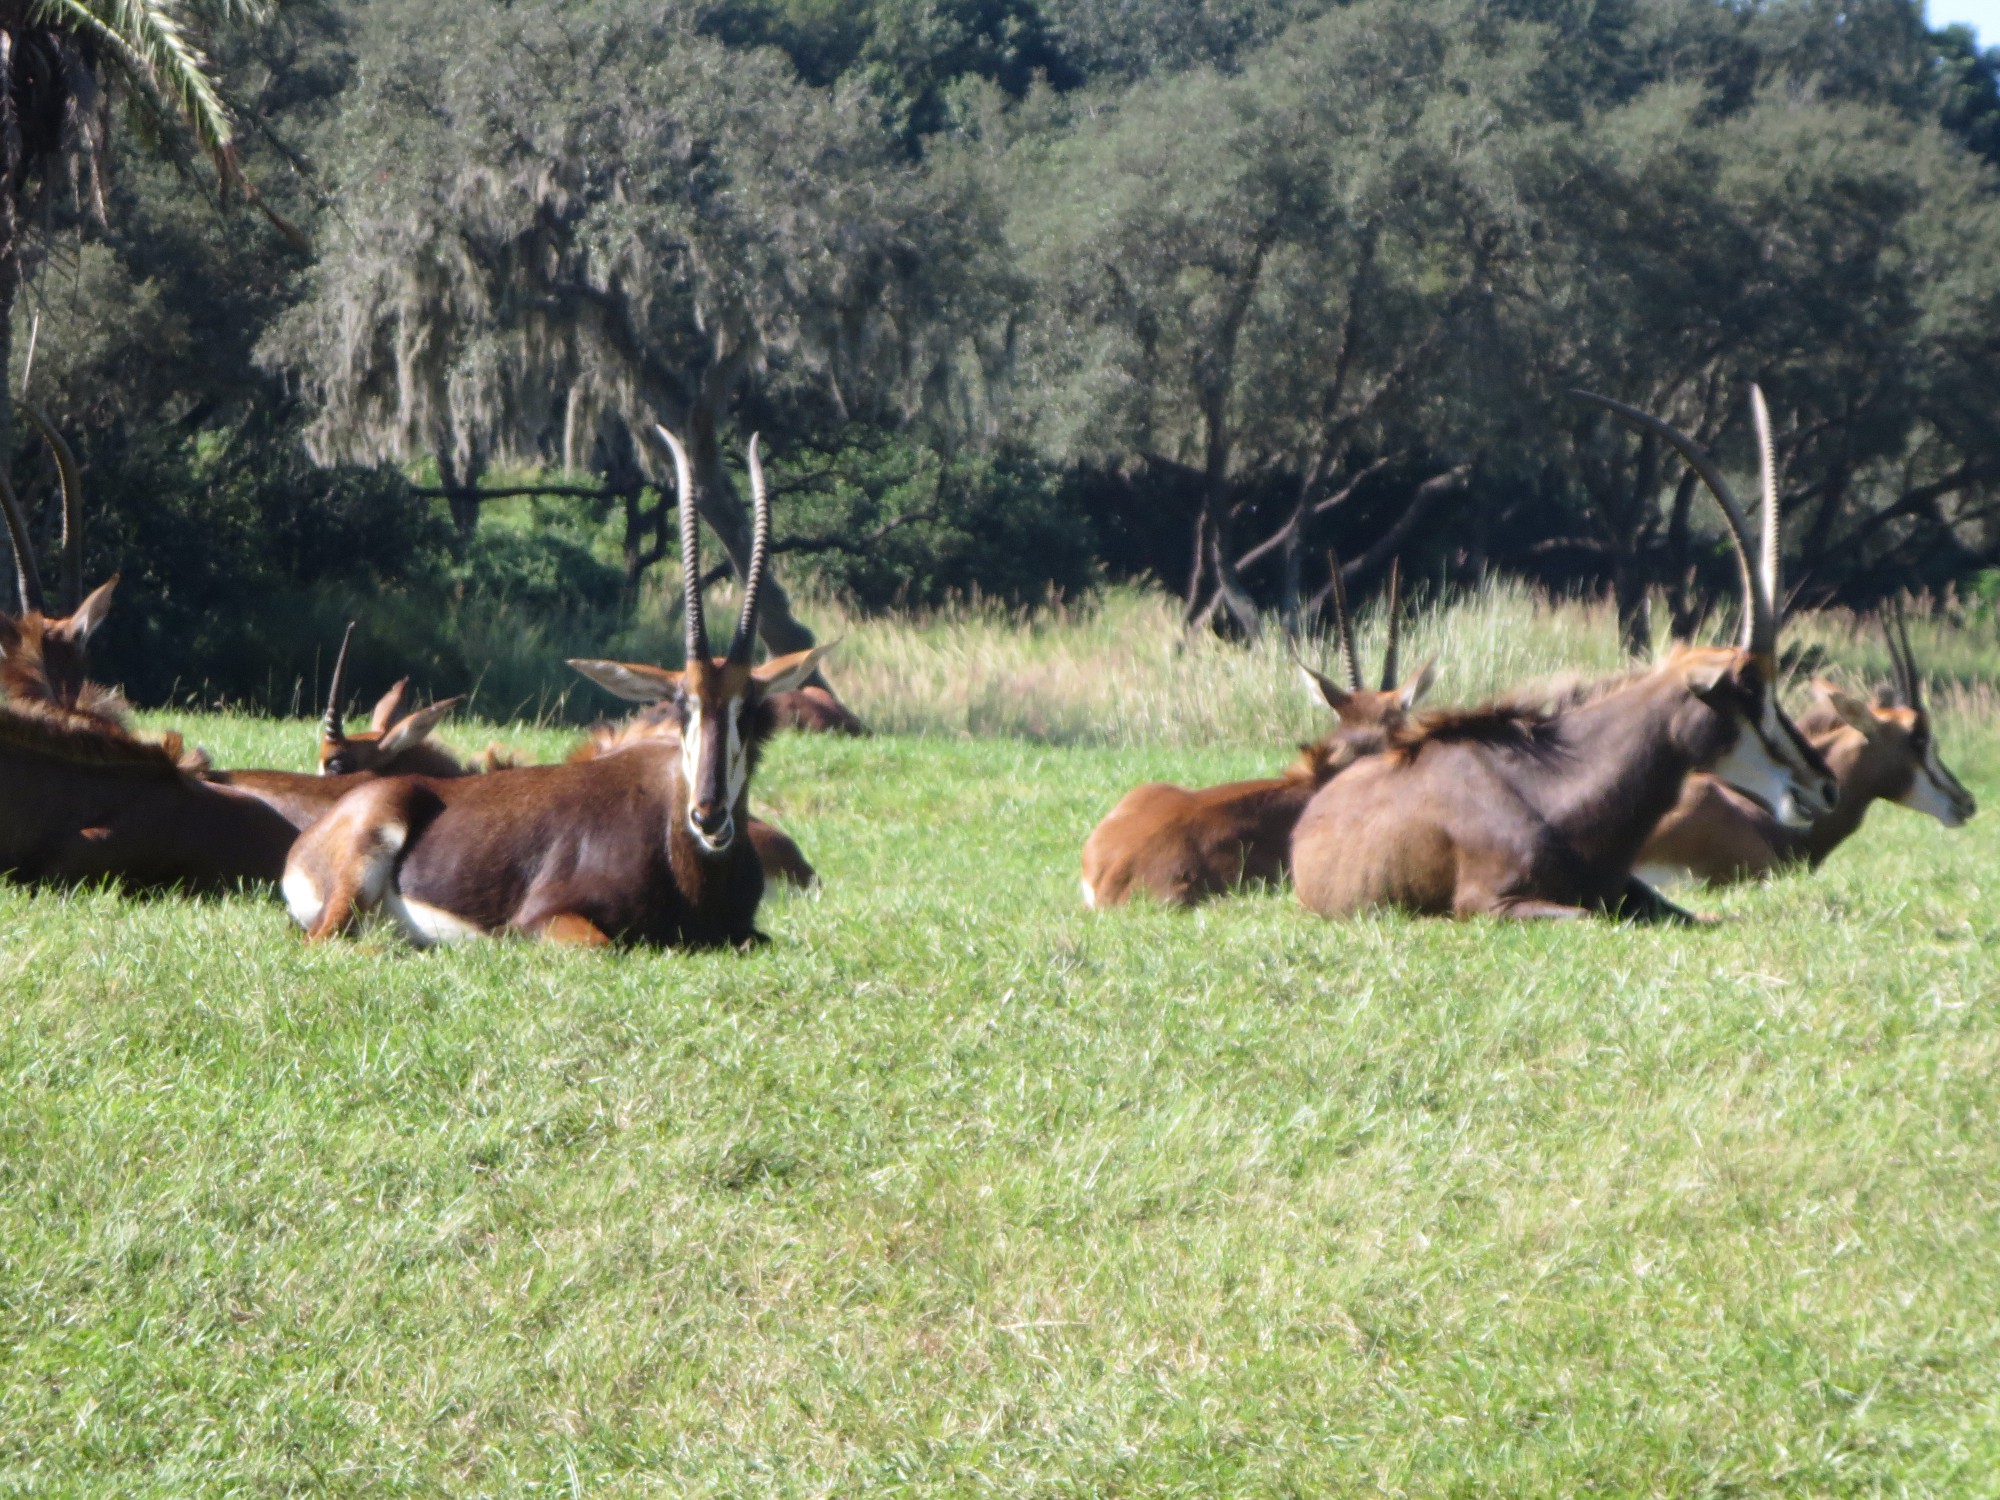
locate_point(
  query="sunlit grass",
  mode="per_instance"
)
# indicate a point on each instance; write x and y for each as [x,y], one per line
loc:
[958,1189]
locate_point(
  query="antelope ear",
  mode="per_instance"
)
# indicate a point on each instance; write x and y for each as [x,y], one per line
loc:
[414,729]
[1705,677]
[781,674]
[1415,687]
[90,614]
[388,707]
[1853,712]
[630,680]
[1323,689]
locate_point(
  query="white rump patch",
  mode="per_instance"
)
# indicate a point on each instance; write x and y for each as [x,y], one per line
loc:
[428,926]
[1089,895]
[302,897]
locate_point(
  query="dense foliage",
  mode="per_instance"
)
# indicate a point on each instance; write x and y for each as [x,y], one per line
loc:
[1023,294]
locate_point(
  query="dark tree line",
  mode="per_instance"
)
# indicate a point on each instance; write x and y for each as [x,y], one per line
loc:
[1032,292]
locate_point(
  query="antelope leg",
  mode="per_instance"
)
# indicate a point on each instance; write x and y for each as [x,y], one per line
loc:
[1639,902]
[571,930]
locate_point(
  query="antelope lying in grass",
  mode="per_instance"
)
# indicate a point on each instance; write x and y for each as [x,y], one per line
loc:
[44,657]
[1182,846]
[394,743]
[1883,751]
[85,800]
[642,845]
[1516,813]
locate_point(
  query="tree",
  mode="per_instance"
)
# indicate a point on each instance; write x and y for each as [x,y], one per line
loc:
[566,223]
[1266,274]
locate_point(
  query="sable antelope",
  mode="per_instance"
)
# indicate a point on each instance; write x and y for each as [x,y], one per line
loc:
[1885,750]
[777,851]
[87,801]
[814,710]
[43,657]
[1182,846]
[1520,813]
[394,743]
[642,845]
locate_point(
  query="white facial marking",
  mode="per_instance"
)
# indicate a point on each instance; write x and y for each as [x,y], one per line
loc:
[1930,792]
[1752,769]
[739,758]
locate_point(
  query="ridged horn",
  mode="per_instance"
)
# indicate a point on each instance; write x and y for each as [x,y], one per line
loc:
[331,727]
[1905,660]
[71,478]
[744,644]
[697,626]
[1343,625]
[27,577]
[1767,485]
[1760,625]
[1395,616]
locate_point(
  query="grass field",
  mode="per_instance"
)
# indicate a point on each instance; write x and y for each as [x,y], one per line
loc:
[957,1189]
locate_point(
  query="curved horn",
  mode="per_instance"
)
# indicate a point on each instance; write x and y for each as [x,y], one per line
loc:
[72,497]
[1343,624]
[1911,689]
[1767,484]
[330,727]
[745,642]
[1760,626]
[27,577]
[1395,615]
[697,626]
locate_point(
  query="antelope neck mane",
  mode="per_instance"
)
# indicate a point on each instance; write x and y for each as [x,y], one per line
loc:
[56,733]
[1504,724]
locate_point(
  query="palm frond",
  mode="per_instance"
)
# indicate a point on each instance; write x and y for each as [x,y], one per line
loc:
[147,42]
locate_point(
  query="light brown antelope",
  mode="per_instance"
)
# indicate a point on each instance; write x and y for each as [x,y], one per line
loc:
[44,657]
[394,743]
[1182,847]
[813,709]
[641,846]
[1881,751]
[1517,813]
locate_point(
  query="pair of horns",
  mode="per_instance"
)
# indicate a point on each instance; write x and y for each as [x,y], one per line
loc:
[27,577]
[1905,678]
[1344,625]
[1760,578]
[745,639]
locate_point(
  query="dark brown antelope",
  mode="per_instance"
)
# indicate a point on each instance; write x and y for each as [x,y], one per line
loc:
[85,801]
[642,845]
[1182,847]
[1518,813]
[44,657]
[1882,751]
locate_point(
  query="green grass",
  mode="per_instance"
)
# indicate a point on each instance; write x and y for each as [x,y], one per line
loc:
[958,1189]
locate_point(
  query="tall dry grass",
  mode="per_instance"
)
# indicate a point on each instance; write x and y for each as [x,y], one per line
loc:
[1119,670]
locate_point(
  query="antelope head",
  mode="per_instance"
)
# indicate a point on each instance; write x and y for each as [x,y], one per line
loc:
[1355,706]
[720,703]
[1748,739]
[1897,755]
[391,734]
[43,657]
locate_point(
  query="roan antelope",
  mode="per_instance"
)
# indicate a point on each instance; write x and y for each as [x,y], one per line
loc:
[1182,847]
[43,657]
[643,845]
[1520,813]
[1885,750]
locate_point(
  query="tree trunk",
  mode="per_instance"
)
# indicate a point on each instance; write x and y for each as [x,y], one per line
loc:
[461,497]
[10,248]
